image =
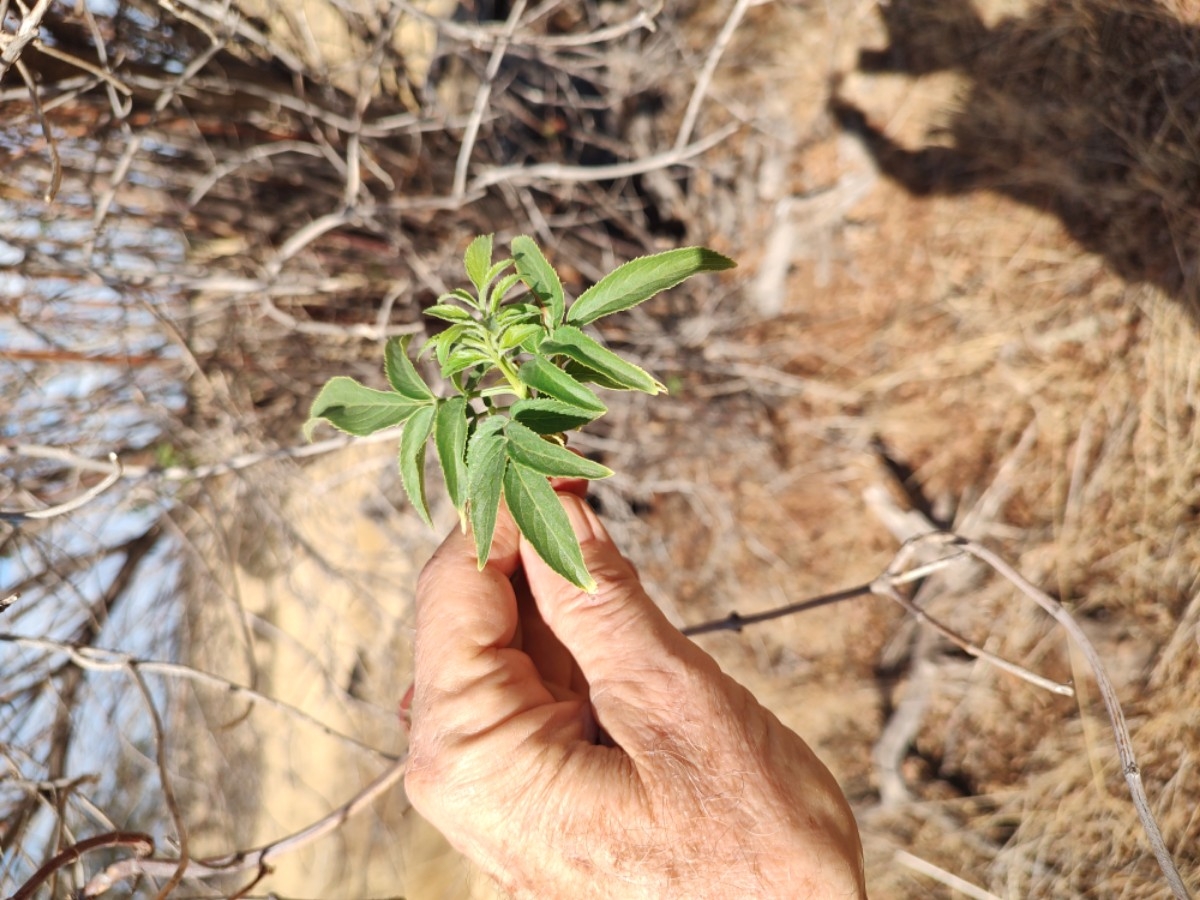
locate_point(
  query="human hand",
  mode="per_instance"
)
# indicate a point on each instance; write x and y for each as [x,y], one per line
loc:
[577,745]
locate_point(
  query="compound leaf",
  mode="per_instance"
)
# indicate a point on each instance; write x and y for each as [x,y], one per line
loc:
[448,312]
[477,260]
[503,286]
[528,449]
[572,343]
[450,437]
[440,342]
[412,459]
[539,514]
[494,272]
[590,376]
[356,409]
[517,335]
[550,416]
[486,461]
[462,359]
[539,276]
[546,378]
[640,279]
[401,374]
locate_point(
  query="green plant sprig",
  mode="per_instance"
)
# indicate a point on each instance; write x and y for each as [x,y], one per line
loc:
[519,369]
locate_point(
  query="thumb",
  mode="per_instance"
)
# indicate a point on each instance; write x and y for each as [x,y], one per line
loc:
[637,664]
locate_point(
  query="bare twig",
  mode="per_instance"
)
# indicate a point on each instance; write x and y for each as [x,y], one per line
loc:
[164,777]
[482,36]
[56,169]
[178,473]
[886,586]
[1116,716]
[254,154]
[257,858]
[121,170]
[98,659]
[207,13]
[736,622]
[482,97]
[700,91]
[26,32]
[883,587]
[114,470]
[83,65]
[140,844]
[564,173]
[305,235]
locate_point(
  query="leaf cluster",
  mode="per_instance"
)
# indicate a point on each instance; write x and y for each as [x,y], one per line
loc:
[519,371]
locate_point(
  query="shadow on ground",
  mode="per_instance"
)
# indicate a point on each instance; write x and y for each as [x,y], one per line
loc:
[1087,109]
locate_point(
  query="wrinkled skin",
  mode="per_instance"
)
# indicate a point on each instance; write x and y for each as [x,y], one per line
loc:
[577,745]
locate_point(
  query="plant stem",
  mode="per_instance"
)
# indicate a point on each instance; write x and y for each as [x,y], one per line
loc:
[517,385]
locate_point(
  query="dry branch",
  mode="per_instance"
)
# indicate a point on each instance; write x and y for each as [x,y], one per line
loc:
[960,547]
[26,32]
[704,79]
[140,844]
[98,659]
[114,472]
[244,860]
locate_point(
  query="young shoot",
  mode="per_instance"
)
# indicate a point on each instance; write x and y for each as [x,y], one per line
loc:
[519,373]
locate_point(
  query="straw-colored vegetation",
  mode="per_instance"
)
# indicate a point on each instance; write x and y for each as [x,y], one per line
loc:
[967,289]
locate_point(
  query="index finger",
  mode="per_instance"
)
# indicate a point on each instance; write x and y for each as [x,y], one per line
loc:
[463,610]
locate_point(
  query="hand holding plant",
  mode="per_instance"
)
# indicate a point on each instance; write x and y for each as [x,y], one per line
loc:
[520,369]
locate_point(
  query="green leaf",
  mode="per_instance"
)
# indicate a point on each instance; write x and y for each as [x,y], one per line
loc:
[534,452]
[539,514]
[590,376]
[443,341]
[518,334]
[551,416]
[448,313]
[518,312]
[401,374]
[494,271]
[503,286]
[486,461]
[450,437]
[572,343]
[412,459]
[477,260]
[460,294]
[642,278]
[356,409]
[462,359]
[546,378]
[539,276]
